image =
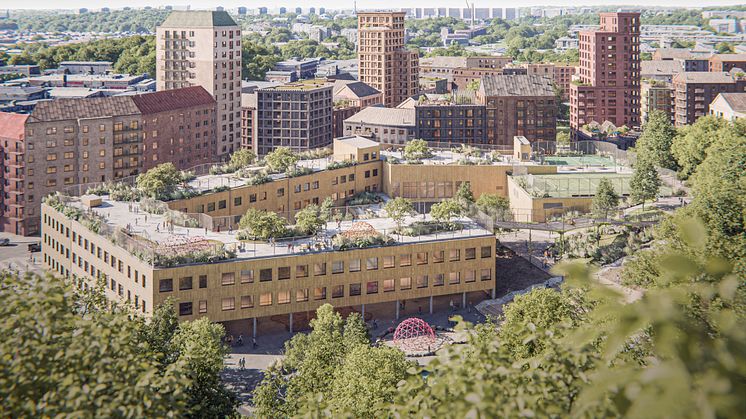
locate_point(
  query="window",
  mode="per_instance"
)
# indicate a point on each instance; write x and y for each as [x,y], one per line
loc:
[371,287]
[202,306]
[319,293]
[338,291]
[486,252]
[422,258]
[280,192]
[439,280]
[454,278]
[237,201]
[283,272]
[301,271]
[228,304]
[470,276]
[247,276]
[228,278]
[454,255]
[485,274]
[185,283]
[388,285]
[338,267]
[422,281]
[165,285]
[371,264]
[301,295]
[210,206]
[470,253]
[405,260]
[265,275]
[283,297]
[354,289]
[265,299]
[405,283]
[221,204]
[319,269]
[355,265]
[388,262]
[203,281]
[185,309]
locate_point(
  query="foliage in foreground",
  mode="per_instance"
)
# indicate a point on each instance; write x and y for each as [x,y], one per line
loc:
[64,353]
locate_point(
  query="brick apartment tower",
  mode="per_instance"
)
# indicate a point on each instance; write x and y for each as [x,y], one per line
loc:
[203,48]
[607,85]
[383,61]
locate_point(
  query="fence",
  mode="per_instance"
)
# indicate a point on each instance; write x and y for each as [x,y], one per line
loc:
[601,148]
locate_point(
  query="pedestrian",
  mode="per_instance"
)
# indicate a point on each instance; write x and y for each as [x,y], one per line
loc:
[451,305]
[253,342]
[242,363]
[240,340]
[419,309]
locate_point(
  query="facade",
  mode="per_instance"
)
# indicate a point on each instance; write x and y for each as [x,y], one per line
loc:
[607,86]
[727,62]
[356,94]
[694,91]
[296,115]
[384,63]
[518,106]
[86,67]
[661,70]
[340,113]
[203,48]
[656,96]
[729,106]
[689,60]
[68,142]
[88,81]
[444,65]
[391,126]
[560,74]
[451,122]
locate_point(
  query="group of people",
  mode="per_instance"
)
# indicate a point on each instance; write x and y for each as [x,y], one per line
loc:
[239,341]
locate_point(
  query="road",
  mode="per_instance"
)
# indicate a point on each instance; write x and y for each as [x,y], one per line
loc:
[16,256]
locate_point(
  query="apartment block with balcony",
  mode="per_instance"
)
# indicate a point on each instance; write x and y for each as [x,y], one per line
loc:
[656,96]
[695,91]
[203,48]
[607,85]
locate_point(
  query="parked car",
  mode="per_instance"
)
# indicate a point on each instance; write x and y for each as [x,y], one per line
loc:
[34,247]
[4,242]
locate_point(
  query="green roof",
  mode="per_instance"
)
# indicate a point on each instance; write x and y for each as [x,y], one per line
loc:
[198,19]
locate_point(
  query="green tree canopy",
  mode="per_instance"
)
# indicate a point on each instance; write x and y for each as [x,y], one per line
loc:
[417,150]
[309,220]
[242,157]
[464,195]
[692,141]
[160,180]
[645,182]
[494,205]
[263,224]
[656,139]
[281,159]
[445,210]
[605,199]
[397,209]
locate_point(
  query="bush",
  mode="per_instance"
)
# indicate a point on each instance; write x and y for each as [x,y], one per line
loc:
[341,242]
[340,164]
[258,178]
[364,198]
[298,171]
[423,228]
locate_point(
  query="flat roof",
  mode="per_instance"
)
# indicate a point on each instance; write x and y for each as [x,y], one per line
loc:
[579,185]
[358,141]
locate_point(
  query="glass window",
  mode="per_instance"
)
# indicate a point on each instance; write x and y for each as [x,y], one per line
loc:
[338,291]
[228,303]
[301,295]
[283,297]
[185,309]
[228,278]
[371,287]
[422,258]
[422,281]
[319,293]
[405,260]
[486,251]
[319,269]
[202,306]
[265,299]
[371,264]
[388,285]
[388,262]
[355,265]
[165,285]
[470,253]
[355,289]
[439,256]
[301,271]
[338,267]
[485,274]
[247,276]
[247,301]
[283,272]
[265,275]
[470,276]
[185,283]
[454,278]
[439,280]
[405,283]
[454,255]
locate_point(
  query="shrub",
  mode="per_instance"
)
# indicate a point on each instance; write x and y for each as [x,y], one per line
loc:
[423,228]
[341,242]
[340,164]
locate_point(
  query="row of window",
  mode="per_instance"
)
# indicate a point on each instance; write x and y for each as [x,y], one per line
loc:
[338,291]
[247,276]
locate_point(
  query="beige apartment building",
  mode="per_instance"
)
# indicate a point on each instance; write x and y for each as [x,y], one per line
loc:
[656,96]
[384,63]
[203,48]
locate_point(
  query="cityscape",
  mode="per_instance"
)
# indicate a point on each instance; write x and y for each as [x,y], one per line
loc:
[460,211]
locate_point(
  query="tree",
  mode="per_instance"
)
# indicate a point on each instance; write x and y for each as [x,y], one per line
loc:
[263,224]
[656,139]
[257,59]
[281,159]
[397,209]
[159,181]
[309,220]
[605,198]
[692,141]
[494,205]
[417,150]
[325,209]
[355,332]
[242,157]
[443,211]
[464,196]
[563,138]
[645,182]
[59,363]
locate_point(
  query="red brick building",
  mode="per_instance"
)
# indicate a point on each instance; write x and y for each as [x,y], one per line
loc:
[607,85]
[727,62]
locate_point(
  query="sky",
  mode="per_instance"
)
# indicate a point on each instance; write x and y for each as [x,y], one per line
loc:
[346,4]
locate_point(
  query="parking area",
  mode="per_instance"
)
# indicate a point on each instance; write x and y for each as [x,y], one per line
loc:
[15,256]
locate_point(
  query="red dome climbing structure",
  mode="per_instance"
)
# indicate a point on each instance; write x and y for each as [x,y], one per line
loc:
[413,328]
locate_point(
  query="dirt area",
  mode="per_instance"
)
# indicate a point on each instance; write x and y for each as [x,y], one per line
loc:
[515,273]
